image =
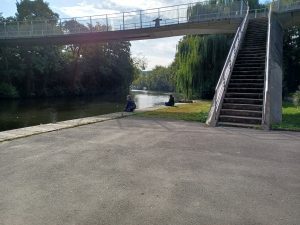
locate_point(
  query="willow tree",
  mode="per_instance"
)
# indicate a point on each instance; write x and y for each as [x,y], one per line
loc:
[199,61]
[200,58]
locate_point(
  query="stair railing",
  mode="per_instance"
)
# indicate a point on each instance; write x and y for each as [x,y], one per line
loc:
[226,72]
[266,123]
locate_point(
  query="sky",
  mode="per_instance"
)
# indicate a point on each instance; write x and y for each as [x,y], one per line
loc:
[155,51]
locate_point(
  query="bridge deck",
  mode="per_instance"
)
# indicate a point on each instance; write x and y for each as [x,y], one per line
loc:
[210,27]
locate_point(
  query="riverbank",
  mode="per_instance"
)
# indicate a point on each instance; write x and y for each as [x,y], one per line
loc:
[50,127]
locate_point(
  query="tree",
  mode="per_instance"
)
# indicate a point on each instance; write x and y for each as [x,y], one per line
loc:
[35,10]
[291,59]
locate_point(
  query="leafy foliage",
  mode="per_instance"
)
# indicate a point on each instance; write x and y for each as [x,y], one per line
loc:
[8,91]
[296,98]
[199,61]
[159,79]
[79,69]
[291,59]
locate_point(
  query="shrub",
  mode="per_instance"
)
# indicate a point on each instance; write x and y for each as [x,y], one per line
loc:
[296,98]
[8,91]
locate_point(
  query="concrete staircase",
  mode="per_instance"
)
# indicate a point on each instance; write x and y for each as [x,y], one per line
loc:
[243,102]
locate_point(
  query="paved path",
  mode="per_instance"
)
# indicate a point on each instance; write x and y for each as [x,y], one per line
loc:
[135,171]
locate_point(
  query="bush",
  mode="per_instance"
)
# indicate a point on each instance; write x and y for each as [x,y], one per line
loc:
[296,98]
[8,91]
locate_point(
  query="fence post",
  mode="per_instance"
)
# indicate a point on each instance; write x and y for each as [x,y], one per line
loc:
[141,21]
[255,11]
[123,22]
[241,13]
[106,22]
[198,16]
[178,14]
[31,28]
[46,25]
[91,22]
[18,24]
[5,31]
[60,25]
[75,26]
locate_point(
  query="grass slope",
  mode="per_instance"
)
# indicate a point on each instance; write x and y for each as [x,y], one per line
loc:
[190,112]
[290,118]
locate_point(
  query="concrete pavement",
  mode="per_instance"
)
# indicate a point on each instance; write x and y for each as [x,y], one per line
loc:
[134,171]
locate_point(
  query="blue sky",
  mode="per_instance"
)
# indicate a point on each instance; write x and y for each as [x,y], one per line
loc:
[156,52]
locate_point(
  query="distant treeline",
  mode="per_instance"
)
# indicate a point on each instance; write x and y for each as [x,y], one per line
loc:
[70,70]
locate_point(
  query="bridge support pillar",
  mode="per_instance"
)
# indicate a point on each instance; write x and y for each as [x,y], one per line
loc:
[274,96]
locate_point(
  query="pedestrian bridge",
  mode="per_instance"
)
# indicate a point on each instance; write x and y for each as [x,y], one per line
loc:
[194,18]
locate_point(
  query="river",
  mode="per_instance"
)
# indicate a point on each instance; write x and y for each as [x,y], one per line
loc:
[23,113]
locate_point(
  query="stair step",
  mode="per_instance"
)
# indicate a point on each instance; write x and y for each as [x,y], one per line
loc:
[256,36]
[252,51]
[250,65]
[259,39]
[242,106]
[247,81]
[256,54]
[256,43]
[250,85]
[244,95]
[251,101]
[245,90]
[244,125]
[242,113]
[245,57]
[247,77]
[240,119]
[248,72]
[254,48]
[253,60]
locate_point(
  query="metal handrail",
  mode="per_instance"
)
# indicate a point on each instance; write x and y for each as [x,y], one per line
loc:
[265,117]
[283,6]
[139,19]
[226,73]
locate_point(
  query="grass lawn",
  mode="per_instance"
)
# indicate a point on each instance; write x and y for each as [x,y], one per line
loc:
[290,118]
[191,112]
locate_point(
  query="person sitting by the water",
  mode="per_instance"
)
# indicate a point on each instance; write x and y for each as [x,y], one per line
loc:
[130,106]
[171,101]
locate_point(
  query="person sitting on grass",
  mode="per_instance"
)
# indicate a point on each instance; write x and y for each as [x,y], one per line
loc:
[171,101]
[130,106]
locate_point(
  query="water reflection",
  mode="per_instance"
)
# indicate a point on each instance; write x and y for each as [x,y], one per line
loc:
[145,99]
[22,113]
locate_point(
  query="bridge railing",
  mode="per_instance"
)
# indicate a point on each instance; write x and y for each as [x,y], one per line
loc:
[151,18]
[226,73]
[285,5]
[257,13]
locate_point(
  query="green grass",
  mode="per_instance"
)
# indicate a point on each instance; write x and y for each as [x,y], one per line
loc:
[290,118]
[190,112]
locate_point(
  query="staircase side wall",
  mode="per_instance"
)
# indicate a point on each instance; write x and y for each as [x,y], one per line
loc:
[275,71]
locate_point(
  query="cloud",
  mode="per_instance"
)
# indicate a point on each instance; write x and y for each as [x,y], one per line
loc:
[83,9]
[157,51]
